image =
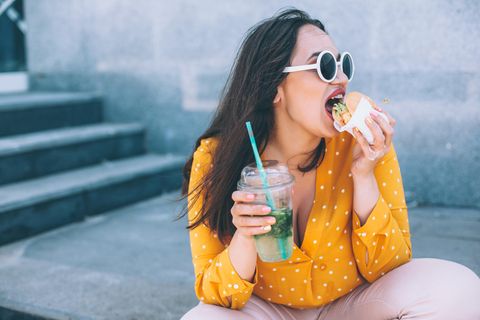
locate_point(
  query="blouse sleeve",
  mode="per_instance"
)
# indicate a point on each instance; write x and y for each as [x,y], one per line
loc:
[383,242]
[216,280]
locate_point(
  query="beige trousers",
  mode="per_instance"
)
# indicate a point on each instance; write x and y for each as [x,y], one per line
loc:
[420,289]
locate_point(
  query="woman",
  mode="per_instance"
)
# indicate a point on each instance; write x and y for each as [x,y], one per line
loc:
[352,256]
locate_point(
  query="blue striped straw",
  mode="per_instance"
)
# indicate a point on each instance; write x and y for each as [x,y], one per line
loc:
[258,160]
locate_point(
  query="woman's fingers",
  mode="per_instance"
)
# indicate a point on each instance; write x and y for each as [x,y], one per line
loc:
[387,129]
[251,231]
[246,221]
[391,120]
[378,137]
[249,218]
[249,221]
[361,140]
[242,196]
[246,209]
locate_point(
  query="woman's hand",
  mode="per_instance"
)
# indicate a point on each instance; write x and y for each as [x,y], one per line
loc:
[366,156]
[248,217]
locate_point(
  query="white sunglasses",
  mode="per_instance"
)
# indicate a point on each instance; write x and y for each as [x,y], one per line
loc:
[327,66]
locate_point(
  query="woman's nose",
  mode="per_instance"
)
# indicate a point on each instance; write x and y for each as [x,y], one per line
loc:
[341,77]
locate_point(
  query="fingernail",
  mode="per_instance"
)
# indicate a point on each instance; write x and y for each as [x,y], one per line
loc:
[271,220]
[372,114]
[369,120]
[251,196]
[267,228]
[266,209]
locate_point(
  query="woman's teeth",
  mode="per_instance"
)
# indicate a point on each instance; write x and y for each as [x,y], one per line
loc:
[330,102]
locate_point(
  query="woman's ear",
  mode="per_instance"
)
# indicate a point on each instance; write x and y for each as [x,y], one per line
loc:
[279,96]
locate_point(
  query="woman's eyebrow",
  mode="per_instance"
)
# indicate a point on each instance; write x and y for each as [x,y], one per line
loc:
[315,54]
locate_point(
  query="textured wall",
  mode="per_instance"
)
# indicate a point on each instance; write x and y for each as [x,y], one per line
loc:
[164,63]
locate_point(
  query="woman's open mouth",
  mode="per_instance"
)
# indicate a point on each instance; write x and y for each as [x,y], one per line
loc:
[332,101]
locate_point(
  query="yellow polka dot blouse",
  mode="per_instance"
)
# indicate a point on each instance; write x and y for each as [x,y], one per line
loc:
[332,260]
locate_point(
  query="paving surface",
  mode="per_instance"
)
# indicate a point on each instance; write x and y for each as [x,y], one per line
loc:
[135,263]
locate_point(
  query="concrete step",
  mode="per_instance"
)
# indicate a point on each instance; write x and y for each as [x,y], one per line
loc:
[37,111]
[135,262]
[33,155]
[130,263]
[30,207]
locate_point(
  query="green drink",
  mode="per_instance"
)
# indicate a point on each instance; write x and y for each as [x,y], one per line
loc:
[281,235]
[277,244]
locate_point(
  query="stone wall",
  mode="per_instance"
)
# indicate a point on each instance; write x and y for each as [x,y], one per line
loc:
[164,63]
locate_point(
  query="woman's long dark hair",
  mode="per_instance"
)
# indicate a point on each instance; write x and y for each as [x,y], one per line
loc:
[247,96]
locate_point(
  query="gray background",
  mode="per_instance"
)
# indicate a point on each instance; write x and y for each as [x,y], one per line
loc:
[163,64]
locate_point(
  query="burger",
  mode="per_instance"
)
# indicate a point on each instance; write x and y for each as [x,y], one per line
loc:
[342,111]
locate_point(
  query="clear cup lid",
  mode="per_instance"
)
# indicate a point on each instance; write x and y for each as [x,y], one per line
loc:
[277,175]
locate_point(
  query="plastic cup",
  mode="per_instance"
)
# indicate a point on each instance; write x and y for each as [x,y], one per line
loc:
[358,120]
[277,244]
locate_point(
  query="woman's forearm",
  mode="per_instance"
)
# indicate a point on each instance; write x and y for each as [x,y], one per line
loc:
[365,196]
[243,254]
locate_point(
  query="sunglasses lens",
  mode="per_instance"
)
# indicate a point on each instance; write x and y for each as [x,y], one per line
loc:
[328,66]
[347,66]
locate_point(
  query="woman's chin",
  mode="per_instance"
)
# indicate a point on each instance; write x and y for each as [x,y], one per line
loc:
[332,132]
[331,128]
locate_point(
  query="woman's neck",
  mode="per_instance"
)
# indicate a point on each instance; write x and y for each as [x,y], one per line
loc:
[292,147]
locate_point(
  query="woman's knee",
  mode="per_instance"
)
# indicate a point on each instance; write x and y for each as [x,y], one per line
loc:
[434,286]
[444,274]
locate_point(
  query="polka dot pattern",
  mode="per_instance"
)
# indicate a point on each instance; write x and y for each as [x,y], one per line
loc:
[335,256]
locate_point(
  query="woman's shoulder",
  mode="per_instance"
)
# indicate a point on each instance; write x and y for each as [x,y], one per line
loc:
[208,145]
[206,148]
